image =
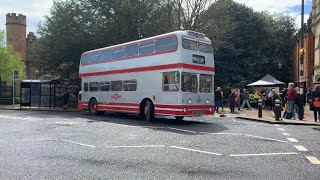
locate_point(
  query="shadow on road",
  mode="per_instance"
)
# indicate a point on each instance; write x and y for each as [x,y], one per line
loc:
[168,124]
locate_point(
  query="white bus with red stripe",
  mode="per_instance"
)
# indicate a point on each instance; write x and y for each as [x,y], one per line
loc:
[170,74]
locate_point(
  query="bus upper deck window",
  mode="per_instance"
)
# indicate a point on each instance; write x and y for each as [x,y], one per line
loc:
[189,44]
[203,47]
[168,43]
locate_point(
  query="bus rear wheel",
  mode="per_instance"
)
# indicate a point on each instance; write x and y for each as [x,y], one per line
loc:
[93,107]
[148,111]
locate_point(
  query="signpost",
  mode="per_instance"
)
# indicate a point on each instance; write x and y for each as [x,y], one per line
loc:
[14,77]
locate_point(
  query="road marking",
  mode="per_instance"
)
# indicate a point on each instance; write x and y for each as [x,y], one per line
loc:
[182,130]
[300,148]
[286,134]
[280,129]
[194,150]
[72,142]
[263,154]
[233,119]
[142,146]
[313,160]
[35,140]
[292,140]
[277,125]
[265,138]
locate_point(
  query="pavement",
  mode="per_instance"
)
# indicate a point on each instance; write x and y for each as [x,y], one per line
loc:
[268,116]
[245,114]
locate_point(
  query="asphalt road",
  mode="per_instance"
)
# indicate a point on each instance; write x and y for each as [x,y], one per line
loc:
[55,145]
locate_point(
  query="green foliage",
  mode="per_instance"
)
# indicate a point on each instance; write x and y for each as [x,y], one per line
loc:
[9,61]
[247,44]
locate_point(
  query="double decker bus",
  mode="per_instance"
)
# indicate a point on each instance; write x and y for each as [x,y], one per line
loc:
[170,74]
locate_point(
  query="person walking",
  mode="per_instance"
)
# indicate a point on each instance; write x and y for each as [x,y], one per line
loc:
[218,99]
[316,102]
[232,100]
[238,100]
[245,98]
[275,96]
[292,97]
[257,96]
[66,97]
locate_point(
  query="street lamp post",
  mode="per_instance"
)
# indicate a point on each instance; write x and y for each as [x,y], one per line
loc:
[301,53]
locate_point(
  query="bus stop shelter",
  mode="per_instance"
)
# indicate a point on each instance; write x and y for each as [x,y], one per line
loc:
[38,93]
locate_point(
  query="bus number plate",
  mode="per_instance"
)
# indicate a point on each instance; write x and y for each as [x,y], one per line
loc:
[197,112]
[198,59]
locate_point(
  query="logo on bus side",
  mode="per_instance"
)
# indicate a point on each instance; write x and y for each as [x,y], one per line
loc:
[116,96]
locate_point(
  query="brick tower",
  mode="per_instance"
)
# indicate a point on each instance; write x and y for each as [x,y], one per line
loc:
[16,29]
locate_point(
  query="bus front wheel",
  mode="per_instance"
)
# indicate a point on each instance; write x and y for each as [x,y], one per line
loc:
[148,111]
[93,107]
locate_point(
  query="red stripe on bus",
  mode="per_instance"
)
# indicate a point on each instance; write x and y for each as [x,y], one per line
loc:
[183,106]
[181,113]
[150,68]
[116,109]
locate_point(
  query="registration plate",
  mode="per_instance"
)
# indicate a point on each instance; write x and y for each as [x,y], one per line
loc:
[197,112]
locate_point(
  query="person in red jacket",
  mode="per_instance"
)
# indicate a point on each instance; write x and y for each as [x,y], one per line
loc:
[292,97]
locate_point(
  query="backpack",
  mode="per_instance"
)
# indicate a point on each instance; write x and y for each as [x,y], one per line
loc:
[288,115]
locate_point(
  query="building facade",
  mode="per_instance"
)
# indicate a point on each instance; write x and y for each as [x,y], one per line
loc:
[308,61]
[316,32]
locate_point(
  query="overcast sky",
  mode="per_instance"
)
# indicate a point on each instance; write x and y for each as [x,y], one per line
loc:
[35,10]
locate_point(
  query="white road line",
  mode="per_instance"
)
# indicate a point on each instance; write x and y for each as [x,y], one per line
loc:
[265,138]
[286,134]
[152,127]
[313,160]
[72,142]
[276,125]
[194,150]
[233,119]
[182,130]
[300,148]
[263,154]
[292,140]
[235,134]
[142,146]
[35,140]
[280,129]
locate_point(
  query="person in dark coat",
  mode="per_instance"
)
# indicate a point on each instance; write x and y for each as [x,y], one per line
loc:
[232,100]
[315,102]
[66,97]
[218,98]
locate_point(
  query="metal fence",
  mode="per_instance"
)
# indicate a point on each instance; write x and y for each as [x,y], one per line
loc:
[6,95]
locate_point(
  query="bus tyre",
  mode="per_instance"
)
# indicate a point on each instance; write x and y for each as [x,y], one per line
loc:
[148,111]
[179,118]
[93,107]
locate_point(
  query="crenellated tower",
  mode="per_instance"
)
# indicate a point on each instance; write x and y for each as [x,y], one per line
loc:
[16,28]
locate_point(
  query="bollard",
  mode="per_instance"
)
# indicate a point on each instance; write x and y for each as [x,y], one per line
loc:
[277,109]
[260,108]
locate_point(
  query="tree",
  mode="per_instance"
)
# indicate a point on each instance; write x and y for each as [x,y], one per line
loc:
[9,61]
[247,44]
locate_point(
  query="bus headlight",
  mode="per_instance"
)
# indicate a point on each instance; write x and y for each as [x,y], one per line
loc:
[189,101]
[184,110]
[210,109]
